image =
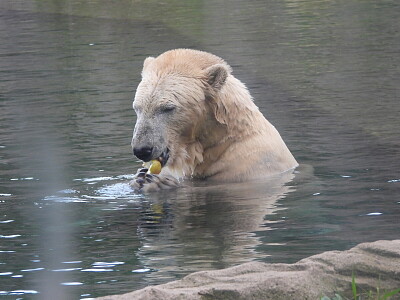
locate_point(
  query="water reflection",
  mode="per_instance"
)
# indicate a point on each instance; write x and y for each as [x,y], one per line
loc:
[155,237]
[206,227]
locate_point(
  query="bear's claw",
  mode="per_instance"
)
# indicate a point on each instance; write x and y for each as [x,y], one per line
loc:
[144,182]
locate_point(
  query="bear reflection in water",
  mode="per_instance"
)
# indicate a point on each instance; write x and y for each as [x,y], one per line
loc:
[206,226]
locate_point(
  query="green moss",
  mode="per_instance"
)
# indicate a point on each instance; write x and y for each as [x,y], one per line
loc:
[364,295]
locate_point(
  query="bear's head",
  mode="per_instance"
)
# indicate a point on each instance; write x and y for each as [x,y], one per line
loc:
[174,107]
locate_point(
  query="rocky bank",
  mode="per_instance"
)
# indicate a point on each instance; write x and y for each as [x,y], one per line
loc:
[374,264]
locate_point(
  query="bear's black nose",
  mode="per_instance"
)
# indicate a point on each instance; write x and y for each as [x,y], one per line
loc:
[143,153]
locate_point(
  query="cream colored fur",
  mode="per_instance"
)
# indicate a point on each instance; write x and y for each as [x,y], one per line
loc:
[215,131]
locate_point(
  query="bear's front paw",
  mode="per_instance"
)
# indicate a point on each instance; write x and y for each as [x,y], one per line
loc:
[145,182]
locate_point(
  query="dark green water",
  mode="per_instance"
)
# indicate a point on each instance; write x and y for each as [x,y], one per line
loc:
[325,73]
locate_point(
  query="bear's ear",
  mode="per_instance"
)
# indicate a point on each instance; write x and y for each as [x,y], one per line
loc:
[147,61]
[216,76]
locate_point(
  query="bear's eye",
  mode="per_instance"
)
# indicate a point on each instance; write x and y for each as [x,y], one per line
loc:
[167,108]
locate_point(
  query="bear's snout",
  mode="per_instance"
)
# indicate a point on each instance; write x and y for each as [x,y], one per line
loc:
[143,153]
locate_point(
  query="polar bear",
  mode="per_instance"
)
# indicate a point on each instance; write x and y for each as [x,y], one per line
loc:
[201,122]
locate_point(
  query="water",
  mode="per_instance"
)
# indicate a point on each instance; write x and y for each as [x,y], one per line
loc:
[324,73]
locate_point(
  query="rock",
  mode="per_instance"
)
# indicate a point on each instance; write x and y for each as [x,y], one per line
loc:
[374,264]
